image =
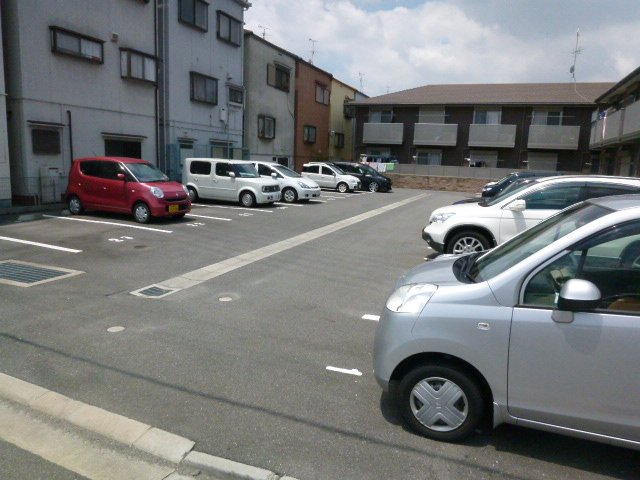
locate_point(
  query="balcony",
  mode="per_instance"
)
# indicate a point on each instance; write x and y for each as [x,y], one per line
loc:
[383,133]
[554,137]
[612,126]
[595,140]
[435,134]
[616,127]
[497,136]
[631,124]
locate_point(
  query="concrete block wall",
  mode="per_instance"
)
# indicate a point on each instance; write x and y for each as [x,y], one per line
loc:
[428,182]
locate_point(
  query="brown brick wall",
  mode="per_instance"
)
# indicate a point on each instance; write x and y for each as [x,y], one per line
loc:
[424,182]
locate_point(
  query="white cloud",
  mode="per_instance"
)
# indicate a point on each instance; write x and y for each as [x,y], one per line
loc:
[425,42]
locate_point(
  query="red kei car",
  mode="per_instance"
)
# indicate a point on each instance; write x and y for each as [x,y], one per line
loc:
[124,185]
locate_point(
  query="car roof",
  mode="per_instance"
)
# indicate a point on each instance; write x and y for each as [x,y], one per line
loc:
[211,159]
[618,202]
[113,159]
[596,178]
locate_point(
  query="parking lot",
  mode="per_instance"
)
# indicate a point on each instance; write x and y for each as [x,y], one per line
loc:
[250,331]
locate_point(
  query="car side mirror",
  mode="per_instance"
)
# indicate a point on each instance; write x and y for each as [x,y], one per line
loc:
[121,176]
[576,295]
[274,175]
[232,174]
[519,205]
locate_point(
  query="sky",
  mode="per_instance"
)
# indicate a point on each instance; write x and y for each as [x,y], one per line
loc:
[382,46]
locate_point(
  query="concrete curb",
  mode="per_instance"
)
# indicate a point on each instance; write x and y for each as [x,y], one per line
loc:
[159,443]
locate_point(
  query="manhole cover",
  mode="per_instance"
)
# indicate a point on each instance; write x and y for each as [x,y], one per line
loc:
[154,291]
[25,274]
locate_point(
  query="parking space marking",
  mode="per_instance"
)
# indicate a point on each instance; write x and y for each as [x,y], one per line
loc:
[373,318]
[230,208]
[38,244]
[288,204]
[210,218]
[351,371]
[201,275]
[117,224]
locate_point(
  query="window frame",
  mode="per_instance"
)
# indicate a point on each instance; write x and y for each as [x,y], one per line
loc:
[194,23]
[129,52]
[56,48]
[263,131]
[338,140]
[279,76]
[307,134]
[193,77]
[232,22]
[37,147]
[323,94]
[238,90]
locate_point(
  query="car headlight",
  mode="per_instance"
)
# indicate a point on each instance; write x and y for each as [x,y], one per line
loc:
[411,298]
[157,192]
[441,217]
[303,185]
[186,190]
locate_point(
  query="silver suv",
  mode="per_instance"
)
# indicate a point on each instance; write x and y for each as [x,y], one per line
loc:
[542,331]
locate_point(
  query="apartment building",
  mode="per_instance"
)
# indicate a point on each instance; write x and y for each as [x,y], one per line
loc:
[539,126]
[615,128]
[5,180]
[270,86]
[341,123]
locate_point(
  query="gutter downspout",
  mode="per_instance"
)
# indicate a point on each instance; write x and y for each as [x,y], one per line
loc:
[70,136]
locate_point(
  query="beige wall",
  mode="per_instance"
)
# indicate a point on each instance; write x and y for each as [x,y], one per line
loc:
[338,122]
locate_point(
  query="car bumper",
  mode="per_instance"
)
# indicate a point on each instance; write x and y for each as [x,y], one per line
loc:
[305,193]
[269,197]
[437,246]
[393,336]
[170,209]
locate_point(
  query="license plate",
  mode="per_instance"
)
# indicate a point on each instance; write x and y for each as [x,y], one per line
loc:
[174,208]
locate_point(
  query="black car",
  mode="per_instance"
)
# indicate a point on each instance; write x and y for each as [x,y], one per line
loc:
[370,178]
[491,189]
[519,182]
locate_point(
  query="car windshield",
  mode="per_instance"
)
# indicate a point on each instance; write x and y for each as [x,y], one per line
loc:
[245,170]
[532,240]
[145,172]
[286,171]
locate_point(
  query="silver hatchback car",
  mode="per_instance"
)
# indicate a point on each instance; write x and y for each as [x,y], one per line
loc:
[542,331]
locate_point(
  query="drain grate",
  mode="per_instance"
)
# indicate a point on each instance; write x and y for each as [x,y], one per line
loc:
[25,274]
[154,291]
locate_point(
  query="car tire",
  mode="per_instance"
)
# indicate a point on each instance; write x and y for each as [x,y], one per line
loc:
[289,195]
[441,402]
[193,195]
[342,187]
[75,205]
[467,241]
[374,187]
[247,199]
[142,212]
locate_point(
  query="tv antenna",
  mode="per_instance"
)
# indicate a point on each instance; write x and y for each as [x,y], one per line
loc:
[361,75]
[576,51]
[313,49]
[264,30]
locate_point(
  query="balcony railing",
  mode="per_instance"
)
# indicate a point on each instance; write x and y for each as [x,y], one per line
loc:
[616,127]
[555,137]
[439,134]
[383,133]
[501,136]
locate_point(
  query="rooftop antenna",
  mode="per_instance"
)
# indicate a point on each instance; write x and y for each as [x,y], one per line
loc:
[264,30]
[576,51]
[313,49]
[361,75]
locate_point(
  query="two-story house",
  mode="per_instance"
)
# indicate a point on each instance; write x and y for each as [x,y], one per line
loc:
[615,130]
[539,126]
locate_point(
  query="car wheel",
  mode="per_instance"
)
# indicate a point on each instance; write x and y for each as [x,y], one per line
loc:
[247,199]
[141,212]
[374,187]
[193,195]
[342,187]
[440,402]
[467,242]
[289,195]
[75,205]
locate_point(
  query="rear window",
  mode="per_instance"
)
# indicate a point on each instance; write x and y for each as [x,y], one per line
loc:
[200,168]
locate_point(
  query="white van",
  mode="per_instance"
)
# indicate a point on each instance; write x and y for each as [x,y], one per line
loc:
[230,180]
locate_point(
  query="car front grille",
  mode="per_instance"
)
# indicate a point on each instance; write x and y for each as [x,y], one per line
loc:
[270,188]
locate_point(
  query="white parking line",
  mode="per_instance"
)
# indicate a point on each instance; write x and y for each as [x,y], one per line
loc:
[201,275]
[289,204]
[352,371]
[43,245]
[210,218]
[373,318]
[138,227]
[230,208]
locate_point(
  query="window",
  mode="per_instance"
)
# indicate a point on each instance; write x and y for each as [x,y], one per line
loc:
[229,29]
[610,260]
[195,13]
[546,117]
[45,141]
[200,168]
[485,116]
[380,115]
[223,169]
[204,89]
[429,157]
[137,65]
[278,77]
[100,169]
[431,115]
[348,110]
[76,45]
[311,168]
[236,95]
[338,140]
[322,94]
[266,127]
[122,148]
[327,171]
[554,197]
[265,171]
[309,134]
